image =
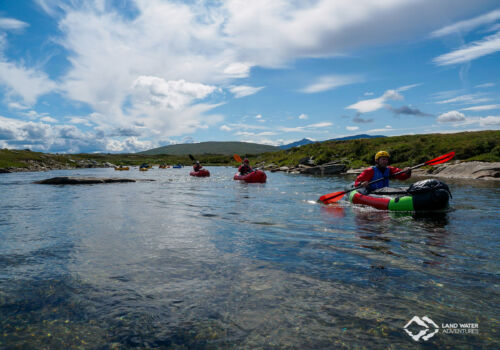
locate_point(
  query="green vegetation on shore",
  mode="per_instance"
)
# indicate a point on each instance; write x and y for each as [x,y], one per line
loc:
[405,150]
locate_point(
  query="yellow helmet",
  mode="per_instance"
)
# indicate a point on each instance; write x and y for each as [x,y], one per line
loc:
[381,154]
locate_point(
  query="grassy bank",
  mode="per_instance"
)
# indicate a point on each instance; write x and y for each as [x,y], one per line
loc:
[24,159]
[404,150]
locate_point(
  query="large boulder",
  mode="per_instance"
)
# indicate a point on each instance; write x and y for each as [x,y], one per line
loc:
[65,180]
[469,170]
[325,169]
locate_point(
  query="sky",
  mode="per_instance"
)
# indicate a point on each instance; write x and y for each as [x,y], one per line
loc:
[130,75]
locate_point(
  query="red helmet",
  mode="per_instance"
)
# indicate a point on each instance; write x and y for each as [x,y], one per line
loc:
[245,161]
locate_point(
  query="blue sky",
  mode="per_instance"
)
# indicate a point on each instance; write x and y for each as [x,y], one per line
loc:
[125,76]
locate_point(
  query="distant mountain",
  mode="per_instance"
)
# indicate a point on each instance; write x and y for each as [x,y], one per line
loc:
[308,141]
[297,144]
[354,137]
[212,147]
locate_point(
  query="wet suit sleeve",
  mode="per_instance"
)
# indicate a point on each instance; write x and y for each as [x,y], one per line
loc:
[366,175]
[402,176]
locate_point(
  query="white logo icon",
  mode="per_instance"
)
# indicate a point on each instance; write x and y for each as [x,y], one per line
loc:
[426,333]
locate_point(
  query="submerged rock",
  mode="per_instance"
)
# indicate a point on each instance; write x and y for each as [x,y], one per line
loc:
[65,180]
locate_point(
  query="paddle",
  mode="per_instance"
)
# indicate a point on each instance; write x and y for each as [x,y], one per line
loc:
[237,158]
[336,196]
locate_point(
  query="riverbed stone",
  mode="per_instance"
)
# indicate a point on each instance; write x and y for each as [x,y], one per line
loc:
[66,180]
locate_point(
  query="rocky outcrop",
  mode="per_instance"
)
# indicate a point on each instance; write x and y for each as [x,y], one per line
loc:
[463,170]
[65,180]
[323,169]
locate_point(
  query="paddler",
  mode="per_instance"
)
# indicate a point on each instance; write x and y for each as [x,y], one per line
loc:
[245,168]
[381,169]
[197,166]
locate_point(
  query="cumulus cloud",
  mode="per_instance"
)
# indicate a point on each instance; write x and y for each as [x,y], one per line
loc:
[451,116]
[489,121]
[225,128]
[173,94]
[352,128]
[244,90]
[331,82]
[121,65]
[303,116]
[371,105]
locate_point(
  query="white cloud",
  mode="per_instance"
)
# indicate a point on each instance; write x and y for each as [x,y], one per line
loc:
[451,116]
[371,105]
[206,44]
[258,116]
[352,128]
[17,105]
[330,82]
[25,83]
[319,125]
[481,108]
[467,25]
[368,93]
[79,120]
[485,85]
[476,49]
[407,87]
[225,128]
[490,121]
[12,24]
[174,94]
[48,119]
[303,116]
[467,99]
[310,127]
[243,90]
[238,70]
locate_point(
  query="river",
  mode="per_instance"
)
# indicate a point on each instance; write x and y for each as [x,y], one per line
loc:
[210,263]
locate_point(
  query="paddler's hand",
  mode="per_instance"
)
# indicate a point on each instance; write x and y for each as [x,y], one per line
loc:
[365,184]
[407,170]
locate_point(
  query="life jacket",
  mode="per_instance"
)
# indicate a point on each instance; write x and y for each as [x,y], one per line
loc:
[197,167]
[377,174]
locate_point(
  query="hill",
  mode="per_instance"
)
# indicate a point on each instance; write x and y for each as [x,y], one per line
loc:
[212,147]
[405,150]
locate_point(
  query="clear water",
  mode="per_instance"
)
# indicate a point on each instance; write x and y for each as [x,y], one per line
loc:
[209,263]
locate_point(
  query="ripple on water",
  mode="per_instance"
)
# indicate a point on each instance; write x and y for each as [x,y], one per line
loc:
[189,263]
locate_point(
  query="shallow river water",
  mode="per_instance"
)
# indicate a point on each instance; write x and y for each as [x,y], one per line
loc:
[209,263]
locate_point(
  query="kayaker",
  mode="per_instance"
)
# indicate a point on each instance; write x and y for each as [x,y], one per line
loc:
[197,166]
[381,169]
[245,168]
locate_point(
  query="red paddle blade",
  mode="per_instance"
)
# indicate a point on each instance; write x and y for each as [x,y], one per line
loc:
[237,158]
[331,197]
[441,159]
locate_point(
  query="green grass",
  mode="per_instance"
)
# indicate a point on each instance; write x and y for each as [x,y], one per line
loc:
[405,151]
